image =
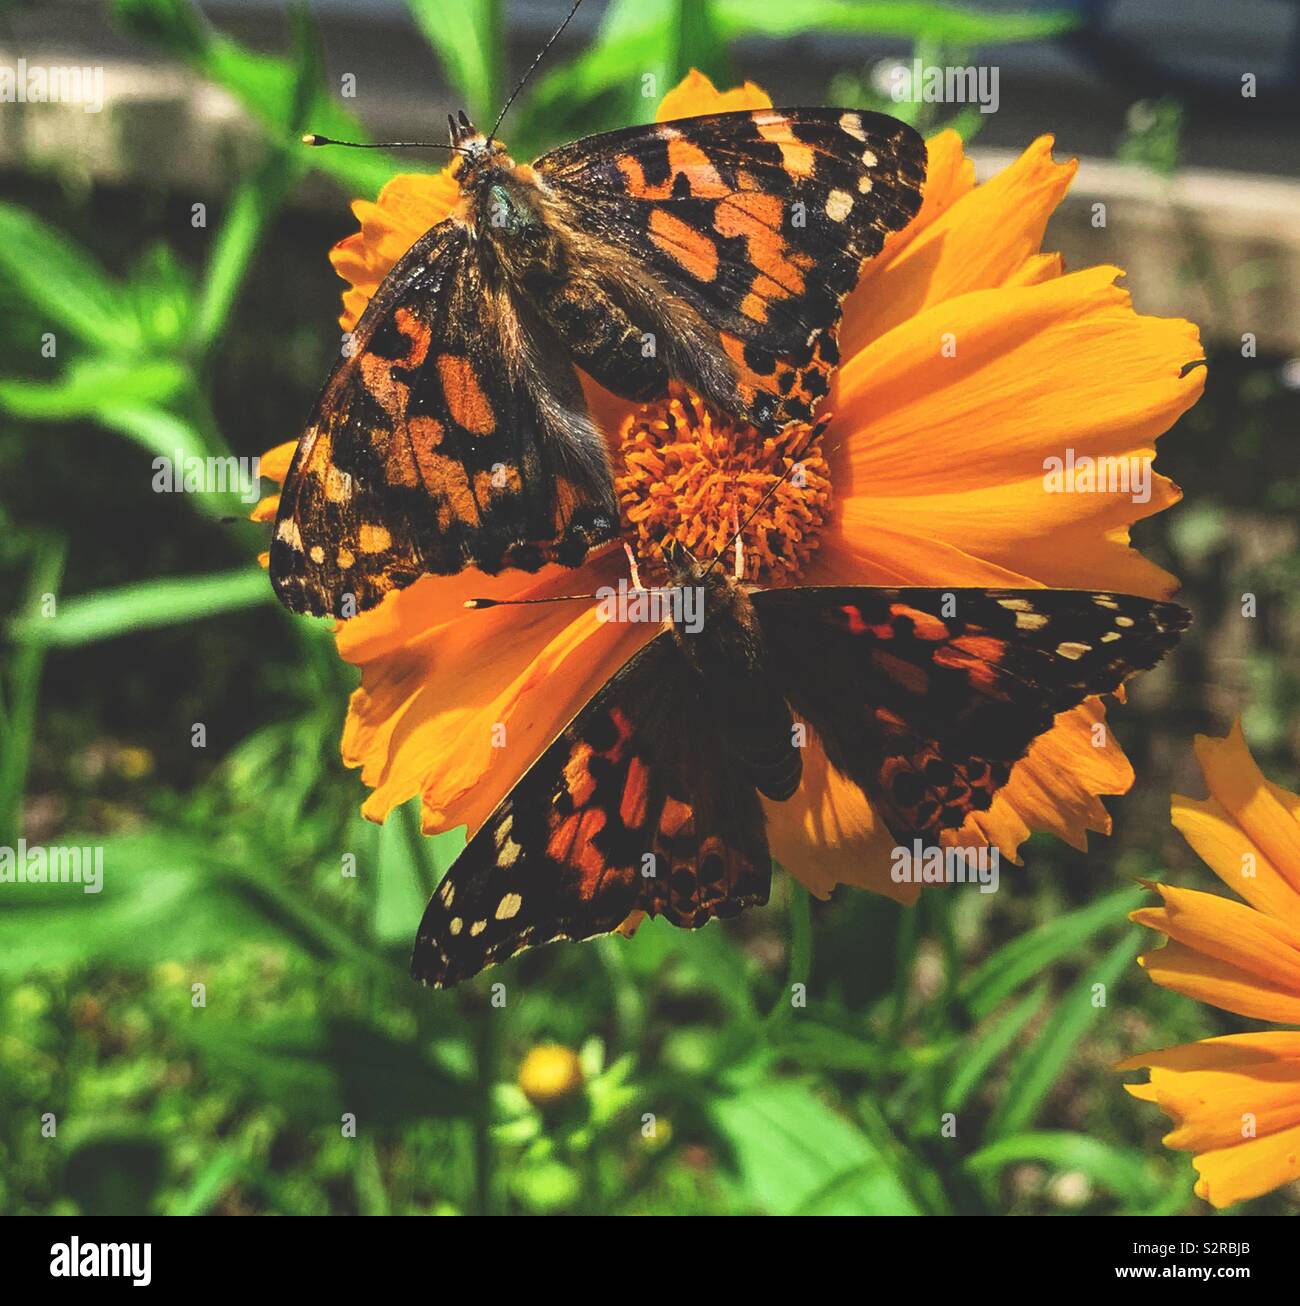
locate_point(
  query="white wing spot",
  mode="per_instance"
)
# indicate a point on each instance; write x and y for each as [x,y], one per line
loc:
[477,928]
[1123,621]
[1016,605]
[864,185]
[1030,620]
[508,853]
[447,893]
[852,123]
[456,925]
[869,159]
[287,533]
[1111,636]
[839,204]
[509,906]
[1105,601]
[1072,650]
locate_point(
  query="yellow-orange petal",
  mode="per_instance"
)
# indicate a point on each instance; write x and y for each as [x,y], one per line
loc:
[982,239]
[992,414]
[696,94]
[1229,931]
[1264,817]
[455,705]
[266,508]
[407,207]
[1222,844]
[1219,983]
[828,833]
[1055,786]
[274,463]
[1234,1100]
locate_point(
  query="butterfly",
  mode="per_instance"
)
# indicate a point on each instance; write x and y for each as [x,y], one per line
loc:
[650,800]
[713,251]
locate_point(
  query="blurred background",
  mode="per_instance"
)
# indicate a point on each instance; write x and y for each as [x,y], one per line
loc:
[664,1075]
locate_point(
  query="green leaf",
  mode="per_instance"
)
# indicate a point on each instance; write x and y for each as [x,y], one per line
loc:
[1027,956]
[160,899]
[315,1069]
[466,36]
[63,285]
[246,220]
[143,606]
[90,385]
[1122,1172]
[794,1153]
[1038,1067]
[909,19]
[977,1055]
[21,691]
[404,877]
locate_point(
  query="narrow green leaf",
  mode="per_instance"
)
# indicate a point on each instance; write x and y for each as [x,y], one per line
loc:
[90,385]
[1124,1173]
[143,606]
[909,19]
[977,1055]
[21,687]
[1039,1066]
[1025,957]
[466,36]
[63,284]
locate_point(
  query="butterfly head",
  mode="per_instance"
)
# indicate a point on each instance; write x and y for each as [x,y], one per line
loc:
[474,148]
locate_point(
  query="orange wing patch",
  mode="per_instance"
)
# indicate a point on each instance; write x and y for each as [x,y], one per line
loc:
[468,405]
[687,247]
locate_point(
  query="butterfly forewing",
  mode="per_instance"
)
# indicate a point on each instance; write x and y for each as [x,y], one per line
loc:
[927,698]
[756,224]
[439,443]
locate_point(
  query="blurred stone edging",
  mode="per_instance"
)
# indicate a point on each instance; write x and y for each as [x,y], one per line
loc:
[1220,248]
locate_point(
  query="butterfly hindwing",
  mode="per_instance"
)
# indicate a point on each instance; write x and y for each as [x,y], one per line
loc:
[452,433]
[745,231]
[635,807]
[927,698]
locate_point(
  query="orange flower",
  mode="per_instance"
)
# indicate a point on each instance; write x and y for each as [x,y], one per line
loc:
[1235,1101]
[969,357]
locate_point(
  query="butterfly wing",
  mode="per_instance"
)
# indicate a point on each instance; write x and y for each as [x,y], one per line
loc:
[734,238]
[633,808]
[927,698]
[452,434]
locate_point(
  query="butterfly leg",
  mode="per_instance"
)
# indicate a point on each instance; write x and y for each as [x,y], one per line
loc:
[631,562]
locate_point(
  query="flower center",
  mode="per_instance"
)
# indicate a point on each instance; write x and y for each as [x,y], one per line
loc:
[693,474]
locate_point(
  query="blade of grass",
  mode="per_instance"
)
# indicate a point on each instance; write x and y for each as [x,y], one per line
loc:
[143,606]
[976,1056]
[1025,957]
[1125,1174]
[22,691]
[1038,1067]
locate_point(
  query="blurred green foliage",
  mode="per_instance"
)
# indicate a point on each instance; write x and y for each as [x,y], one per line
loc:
[709,1084]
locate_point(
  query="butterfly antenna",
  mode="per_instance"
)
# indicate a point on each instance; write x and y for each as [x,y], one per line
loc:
[531,67]
[313,138]
[476,604]
[771,490]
